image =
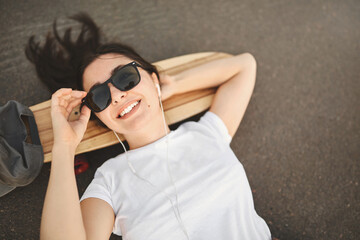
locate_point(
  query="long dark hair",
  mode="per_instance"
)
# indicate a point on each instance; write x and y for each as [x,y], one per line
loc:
[61,61]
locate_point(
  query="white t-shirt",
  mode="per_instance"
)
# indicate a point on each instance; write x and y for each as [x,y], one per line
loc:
[214,196]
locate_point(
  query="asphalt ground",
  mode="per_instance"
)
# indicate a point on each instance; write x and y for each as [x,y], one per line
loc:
[299,140]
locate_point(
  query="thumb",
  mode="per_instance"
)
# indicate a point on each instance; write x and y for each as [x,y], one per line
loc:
[85,114]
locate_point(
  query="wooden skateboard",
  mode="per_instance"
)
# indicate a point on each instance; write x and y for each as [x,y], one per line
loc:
[177,108]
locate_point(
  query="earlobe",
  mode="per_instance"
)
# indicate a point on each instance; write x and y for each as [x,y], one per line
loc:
[156,83]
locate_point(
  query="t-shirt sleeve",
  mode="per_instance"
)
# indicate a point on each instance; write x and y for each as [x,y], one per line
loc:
[216,126]
[99,188]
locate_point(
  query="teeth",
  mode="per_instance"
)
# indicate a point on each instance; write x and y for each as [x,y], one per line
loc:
[129,108]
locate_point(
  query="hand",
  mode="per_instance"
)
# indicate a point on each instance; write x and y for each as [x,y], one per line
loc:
[167,86]
[67,132]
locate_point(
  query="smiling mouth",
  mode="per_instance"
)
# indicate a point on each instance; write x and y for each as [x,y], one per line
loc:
[128,109]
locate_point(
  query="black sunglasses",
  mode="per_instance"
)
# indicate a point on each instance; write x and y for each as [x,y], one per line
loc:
[124,79]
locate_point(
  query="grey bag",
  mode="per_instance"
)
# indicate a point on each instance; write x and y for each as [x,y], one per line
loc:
[21,153]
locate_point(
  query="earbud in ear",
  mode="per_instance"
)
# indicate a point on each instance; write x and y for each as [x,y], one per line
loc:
[158,89]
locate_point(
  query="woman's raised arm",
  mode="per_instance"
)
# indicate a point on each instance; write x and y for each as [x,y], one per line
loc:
[61,216]
[236,77]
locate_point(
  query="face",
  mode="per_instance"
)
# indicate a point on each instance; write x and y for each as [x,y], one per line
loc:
[142,115]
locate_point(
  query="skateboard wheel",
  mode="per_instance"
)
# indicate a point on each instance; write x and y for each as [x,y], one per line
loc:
[80,164]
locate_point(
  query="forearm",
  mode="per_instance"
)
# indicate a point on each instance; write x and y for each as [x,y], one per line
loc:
[61,216]
[212,74]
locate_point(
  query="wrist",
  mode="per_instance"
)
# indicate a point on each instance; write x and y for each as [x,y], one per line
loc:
[64,148]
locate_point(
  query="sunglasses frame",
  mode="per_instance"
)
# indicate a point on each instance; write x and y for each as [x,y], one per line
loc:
[110,80]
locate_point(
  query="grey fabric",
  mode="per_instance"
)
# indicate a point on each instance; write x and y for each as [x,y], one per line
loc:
[21,156]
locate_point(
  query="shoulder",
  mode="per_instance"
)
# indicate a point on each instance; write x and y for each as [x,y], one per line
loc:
[209,124]
[110,165]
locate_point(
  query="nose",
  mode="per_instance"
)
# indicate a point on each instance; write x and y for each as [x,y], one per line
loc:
[116,94]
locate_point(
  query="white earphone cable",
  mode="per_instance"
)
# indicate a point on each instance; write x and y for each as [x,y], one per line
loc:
[177,214]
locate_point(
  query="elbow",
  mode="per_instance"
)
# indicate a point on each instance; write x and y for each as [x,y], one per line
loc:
[247,61]
[248,64]
[251,59]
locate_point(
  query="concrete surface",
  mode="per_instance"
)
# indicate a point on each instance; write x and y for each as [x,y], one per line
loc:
[300,138]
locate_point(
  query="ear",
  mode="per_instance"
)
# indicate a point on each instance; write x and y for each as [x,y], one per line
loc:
[155,78]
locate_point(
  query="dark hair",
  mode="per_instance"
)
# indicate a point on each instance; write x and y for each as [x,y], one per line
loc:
[61,62]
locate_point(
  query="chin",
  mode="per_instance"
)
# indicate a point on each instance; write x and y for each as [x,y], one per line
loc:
[135,124]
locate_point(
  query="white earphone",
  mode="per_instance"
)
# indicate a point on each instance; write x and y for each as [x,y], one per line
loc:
[158,89]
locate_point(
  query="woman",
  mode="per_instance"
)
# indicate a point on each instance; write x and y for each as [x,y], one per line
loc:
[181,184]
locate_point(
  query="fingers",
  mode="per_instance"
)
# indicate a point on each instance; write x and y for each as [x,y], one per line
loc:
[74,100]
[67,93]
[65,99]
[55,98]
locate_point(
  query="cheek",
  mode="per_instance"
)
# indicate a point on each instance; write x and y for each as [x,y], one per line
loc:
[148,90]
[104,118]
[152,99]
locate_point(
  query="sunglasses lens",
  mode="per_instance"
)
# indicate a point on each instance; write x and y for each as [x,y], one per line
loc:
[98,98]
[127,78]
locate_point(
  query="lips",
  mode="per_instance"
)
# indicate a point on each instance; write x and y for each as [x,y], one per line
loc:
[125,106]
